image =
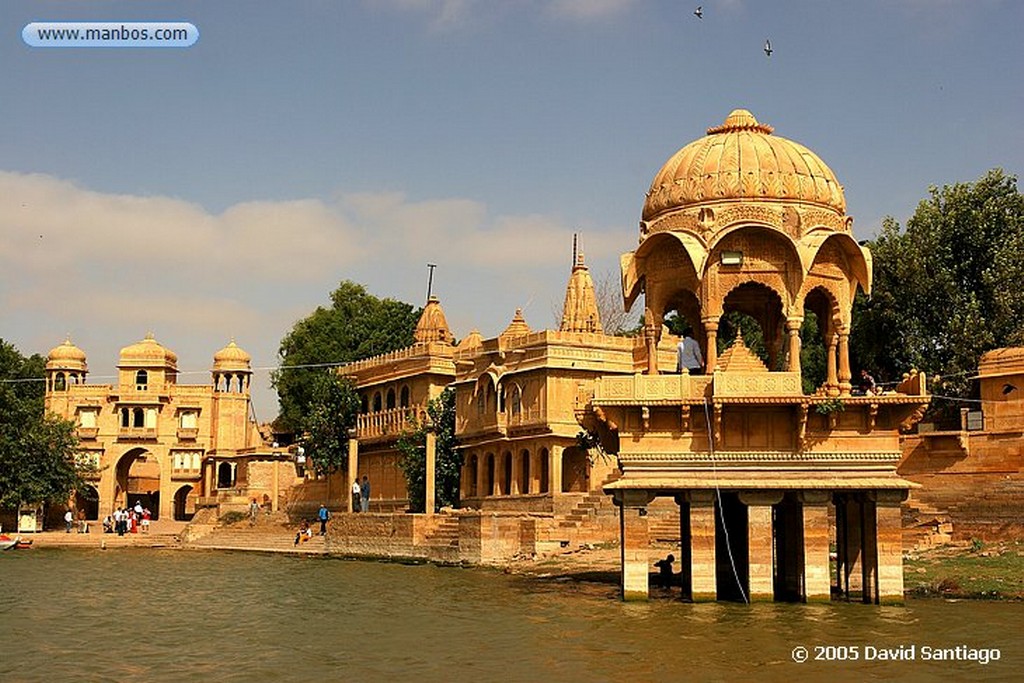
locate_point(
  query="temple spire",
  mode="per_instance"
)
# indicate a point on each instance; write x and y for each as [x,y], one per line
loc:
[580,313]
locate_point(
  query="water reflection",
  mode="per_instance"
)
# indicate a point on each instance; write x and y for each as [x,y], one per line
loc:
[168,616]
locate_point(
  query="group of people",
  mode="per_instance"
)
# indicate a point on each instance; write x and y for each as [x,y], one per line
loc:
[128,520]
[361,495]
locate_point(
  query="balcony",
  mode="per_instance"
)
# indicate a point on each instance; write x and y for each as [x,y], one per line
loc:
[387,422]
[188,433]
[88,433]
[137,434]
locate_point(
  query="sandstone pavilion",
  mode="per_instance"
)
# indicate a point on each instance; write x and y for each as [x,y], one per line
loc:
[744,220]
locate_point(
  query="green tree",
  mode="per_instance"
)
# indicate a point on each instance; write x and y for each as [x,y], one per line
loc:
[947,288]
[37,452]
[334,405]
[355,326]
[448,459]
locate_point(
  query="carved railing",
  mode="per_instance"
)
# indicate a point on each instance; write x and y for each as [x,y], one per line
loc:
[387,422]
[650,389]
[136,433]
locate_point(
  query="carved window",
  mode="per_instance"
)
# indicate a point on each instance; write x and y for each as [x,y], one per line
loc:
[391,399]
[60,383]
[138,417]
[404,398]
[141,380]
[376,402]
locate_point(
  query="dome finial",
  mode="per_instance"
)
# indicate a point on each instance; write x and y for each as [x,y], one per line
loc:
[740,119]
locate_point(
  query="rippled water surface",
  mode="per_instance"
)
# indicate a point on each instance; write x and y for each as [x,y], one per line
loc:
[145,616]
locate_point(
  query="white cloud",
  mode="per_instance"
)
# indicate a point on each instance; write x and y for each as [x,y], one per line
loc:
[588,9]
[110,267]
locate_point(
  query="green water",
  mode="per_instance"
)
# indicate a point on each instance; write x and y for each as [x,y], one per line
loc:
[145,616]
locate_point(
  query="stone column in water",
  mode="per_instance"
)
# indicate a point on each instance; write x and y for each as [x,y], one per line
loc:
[431,483]
[759,542]
[635,543]
[703,577]
[850,539]
[889,526]
[353,467]
[817,578]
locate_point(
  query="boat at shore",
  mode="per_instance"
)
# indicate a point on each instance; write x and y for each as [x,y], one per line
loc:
[15,543]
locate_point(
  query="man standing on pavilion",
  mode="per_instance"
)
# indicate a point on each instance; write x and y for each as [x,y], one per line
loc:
[688,355]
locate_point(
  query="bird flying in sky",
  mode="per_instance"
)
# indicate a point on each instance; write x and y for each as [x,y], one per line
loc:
[768,47]
[699,12]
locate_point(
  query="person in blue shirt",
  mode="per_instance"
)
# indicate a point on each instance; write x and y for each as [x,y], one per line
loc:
[323,515]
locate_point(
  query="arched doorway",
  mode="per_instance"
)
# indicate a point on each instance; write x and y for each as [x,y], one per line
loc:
[184,507]
[575,470]
[225,475]
[138,481]
[88,500]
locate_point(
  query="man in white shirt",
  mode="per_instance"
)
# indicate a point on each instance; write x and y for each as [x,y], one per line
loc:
[688,355]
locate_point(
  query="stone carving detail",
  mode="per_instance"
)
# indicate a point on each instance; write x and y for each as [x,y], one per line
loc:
[761,383]
[828,219]
[746,212]
[791,222]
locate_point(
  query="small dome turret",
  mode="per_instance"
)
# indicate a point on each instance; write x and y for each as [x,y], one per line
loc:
[148,353]
[232,357]
[67,356]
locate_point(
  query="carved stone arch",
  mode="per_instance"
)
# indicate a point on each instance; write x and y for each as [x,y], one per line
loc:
[769,258]
[825,300]
[669,257]
[818,245]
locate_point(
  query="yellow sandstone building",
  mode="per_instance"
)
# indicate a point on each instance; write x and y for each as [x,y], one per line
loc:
[170,447]
[572,436]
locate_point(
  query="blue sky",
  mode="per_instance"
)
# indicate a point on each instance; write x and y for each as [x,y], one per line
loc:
[224,189]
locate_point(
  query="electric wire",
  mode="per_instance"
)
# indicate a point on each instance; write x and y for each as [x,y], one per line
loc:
[718,499]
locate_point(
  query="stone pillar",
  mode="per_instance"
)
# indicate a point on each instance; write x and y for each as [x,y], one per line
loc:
[793,343]
[275,490]
[817,578]
[832,377]
[703,567]
[890,546]
[517,465]
[430,496]
[685,545]
[850,544]
[555,470]
[635,541]
[166,487]
[535,472]
[869,550]
[844,361]
[353,468]
[651,334]
[711,357]
[760,543]
[481,477]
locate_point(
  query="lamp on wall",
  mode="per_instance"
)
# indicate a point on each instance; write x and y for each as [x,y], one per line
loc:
[732,258]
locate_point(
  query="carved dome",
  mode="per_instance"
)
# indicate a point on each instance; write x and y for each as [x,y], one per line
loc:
[742,160]
[67,356]
[148,353]
[231,357]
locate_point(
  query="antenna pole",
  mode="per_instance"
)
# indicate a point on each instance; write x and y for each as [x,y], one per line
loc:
[430,279]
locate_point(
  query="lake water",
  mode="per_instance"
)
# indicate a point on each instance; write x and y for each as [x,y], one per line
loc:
[146,616]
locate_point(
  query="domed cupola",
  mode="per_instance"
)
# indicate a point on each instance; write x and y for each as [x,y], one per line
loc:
[65,365]
[148,353]
[232,369]
[733,168]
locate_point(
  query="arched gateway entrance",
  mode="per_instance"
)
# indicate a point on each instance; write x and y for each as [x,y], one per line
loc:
[137,480]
